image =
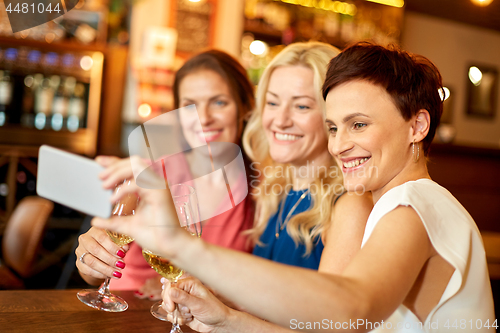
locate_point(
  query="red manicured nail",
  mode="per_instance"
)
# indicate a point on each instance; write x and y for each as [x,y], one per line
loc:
[139,293]
[120,254]
[151,296]
[120,264]
[117,274]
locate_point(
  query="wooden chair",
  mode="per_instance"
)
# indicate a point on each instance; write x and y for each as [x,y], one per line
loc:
[491,241]
[22,239]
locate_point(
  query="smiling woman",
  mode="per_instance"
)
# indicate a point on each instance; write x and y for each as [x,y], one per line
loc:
[383,108]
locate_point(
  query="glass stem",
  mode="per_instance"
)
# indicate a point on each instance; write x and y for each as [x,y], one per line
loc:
[104,288]
[175,325]
[176,314]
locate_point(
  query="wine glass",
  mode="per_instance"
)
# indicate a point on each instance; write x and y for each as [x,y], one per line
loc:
[103,299]
[186,205]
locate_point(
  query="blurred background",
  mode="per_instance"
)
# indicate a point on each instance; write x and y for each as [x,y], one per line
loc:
[83,81]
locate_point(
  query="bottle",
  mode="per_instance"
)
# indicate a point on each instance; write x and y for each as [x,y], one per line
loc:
[31,83]
[76,108]
[59,107]
[6,91]
[43,103]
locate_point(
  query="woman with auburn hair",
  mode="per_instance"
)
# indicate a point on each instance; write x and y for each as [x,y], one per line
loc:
[298,181]
[219,86]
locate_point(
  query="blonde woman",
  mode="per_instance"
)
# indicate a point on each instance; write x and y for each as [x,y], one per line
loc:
[298,180]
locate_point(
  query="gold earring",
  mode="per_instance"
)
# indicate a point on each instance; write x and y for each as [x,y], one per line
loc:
[415,158]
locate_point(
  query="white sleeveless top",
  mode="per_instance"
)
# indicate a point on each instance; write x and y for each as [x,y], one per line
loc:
[467,302]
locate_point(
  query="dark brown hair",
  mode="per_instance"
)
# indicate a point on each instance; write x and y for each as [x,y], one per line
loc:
[231,71]
[412,81]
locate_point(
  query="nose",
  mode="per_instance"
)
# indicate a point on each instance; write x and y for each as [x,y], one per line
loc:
[204,114]
[339,143]
[283,116]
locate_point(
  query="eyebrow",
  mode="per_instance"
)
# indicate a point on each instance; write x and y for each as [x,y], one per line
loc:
[353,115]
[218,96]
[347,118]
[294,97]
[210,99]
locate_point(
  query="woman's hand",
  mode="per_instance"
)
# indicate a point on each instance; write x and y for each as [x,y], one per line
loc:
[98,257]
[198,307]
[151,289]
[117,169]
[154,226]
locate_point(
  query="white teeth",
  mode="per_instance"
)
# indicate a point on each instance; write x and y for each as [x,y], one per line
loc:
[355,163]
[286,137]
[211,133]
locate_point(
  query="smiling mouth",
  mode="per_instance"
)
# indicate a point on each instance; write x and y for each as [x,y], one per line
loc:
[286,137]
[211,133]
[355,163]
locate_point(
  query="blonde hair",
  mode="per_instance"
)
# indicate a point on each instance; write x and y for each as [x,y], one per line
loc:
[307,226]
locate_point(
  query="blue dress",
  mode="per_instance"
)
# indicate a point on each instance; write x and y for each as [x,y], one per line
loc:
[283,249]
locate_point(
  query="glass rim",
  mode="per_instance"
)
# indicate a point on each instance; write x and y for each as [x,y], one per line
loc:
[189,187]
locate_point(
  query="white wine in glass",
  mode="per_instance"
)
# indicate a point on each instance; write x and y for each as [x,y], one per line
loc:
[186,205]
[103,299]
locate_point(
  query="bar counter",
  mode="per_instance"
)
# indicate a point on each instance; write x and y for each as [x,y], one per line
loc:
[61,311]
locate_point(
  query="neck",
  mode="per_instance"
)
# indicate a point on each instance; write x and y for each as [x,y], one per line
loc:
[304,174]
[412,171]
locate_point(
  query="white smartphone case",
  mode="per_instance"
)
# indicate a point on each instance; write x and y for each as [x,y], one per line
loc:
[73,181]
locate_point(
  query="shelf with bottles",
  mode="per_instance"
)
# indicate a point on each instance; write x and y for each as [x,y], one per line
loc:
[336,22]
[48,90]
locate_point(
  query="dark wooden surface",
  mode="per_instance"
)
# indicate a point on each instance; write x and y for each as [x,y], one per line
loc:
[472,176]
[61,311]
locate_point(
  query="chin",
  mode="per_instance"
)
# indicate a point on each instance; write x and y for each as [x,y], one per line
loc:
[355,185]
[281,158]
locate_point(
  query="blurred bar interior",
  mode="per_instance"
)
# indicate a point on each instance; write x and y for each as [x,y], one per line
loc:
[83,81]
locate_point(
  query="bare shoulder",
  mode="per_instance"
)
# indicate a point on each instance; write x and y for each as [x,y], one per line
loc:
[349,217]
[355,203]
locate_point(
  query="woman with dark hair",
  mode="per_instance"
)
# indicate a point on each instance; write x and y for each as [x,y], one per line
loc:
[421,266]
[218,86]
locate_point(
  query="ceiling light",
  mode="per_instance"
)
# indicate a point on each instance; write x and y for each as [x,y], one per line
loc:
[475,75]
[482,3]
[396,3]
[144,110]
[444,93]
[258,47]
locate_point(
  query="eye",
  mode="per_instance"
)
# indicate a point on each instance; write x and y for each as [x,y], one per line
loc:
[332,130]
[187,102]
[302,107]
[269,103]
[220,103]
[358,125]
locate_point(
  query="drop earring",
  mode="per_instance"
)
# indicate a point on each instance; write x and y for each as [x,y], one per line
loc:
[417,157]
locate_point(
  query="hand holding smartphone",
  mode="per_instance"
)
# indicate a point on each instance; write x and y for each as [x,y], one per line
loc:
[73,181]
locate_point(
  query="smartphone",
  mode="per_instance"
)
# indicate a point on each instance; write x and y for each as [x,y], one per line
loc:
[73,181]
